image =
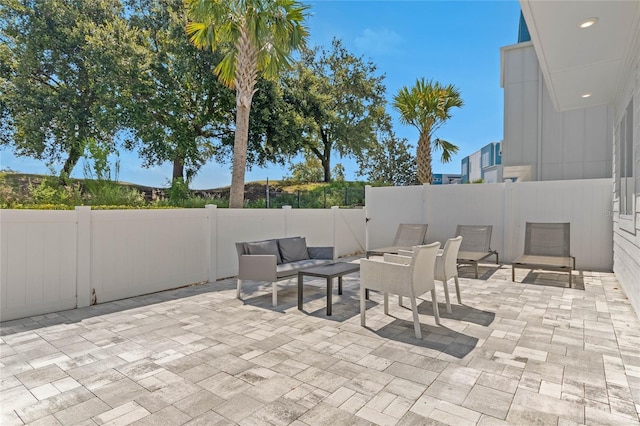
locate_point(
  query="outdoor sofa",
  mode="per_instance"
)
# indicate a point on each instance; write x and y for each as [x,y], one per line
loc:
[277,259]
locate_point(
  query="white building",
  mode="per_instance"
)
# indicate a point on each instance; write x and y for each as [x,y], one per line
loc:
[572,109]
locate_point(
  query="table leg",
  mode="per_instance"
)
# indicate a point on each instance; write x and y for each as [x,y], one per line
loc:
[329,285]
[340,284]
[300,280]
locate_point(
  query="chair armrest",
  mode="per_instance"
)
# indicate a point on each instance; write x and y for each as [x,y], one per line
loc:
[320,252]
[257,267]
[378,275]
[397,258]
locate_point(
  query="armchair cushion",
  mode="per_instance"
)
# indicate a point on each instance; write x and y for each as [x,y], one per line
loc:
[265,247]
[293,249]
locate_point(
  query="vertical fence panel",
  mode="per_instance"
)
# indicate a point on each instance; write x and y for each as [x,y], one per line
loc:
[236,225]
[583,203]
[38,262]
[389,206]
[136,252]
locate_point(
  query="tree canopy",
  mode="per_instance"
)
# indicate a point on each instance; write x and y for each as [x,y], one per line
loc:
[389,162]
[338,100]
[427,106]
[177,110]
[56,85]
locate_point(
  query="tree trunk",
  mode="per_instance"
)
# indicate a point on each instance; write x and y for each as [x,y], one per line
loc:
[326,165]
[423,158]
[75,153]
[246,77]
[178,167]
[236,196]
[326,156]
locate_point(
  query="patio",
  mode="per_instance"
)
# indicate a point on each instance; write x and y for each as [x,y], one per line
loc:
[514,353]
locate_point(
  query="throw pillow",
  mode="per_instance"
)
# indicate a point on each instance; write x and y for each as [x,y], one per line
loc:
[265,247]
[293,249]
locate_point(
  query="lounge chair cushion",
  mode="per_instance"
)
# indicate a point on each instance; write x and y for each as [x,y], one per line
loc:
[265,247]
[293,249]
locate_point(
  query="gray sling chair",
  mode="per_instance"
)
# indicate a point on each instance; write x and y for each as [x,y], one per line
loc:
[407,236]
[476,244]
[546,246]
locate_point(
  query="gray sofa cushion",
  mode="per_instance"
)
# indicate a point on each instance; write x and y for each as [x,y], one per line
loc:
[292,268]
[293,249]
[265,247]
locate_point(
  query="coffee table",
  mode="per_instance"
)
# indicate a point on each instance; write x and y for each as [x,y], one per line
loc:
[328,271]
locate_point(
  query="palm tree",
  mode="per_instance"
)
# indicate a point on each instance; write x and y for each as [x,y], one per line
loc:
[426,106]
[257,36]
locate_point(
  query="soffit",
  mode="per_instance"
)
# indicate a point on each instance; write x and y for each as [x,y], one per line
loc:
[575,61]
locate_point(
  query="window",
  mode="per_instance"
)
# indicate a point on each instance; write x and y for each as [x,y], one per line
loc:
[486,159]
[625,183]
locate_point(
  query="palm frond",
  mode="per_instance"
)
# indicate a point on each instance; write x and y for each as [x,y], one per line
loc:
[448,149]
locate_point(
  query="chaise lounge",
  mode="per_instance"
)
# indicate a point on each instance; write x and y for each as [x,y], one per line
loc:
[476,244]
[546,246]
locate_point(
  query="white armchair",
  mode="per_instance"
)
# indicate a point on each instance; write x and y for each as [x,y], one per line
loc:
[447,268]
[405,276]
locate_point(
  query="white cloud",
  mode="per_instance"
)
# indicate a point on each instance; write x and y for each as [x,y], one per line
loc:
[382,41]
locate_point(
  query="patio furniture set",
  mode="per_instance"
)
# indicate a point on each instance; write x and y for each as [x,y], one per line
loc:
[409,267]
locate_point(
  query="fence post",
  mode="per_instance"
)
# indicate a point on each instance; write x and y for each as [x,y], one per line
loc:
[367,199]
[508,226]
[267,203]
[212,235]
[83,257]
[286,211]
[335,210]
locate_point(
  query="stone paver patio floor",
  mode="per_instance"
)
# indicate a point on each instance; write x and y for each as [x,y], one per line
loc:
[513,353]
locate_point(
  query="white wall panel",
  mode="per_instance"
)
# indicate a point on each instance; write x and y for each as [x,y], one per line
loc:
[37,262]
[350,230]
[387,207]
[507,207]
[137,252]
[241,225]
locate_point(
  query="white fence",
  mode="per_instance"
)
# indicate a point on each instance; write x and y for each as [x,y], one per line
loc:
[586,204]
[52,260]
[56,260]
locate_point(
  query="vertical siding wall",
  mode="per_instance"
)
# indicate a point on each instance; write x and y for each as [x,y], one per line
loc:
[52,261]
[626,260]
[557,145]
[585,204]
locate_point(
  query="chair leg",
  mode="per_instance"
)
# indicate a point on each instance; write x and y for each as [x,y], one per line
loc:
[400,302]
[416,318]
[445,284]
[274,296]
[476,264]
[386,303]
[458,290]
[434,301]
[363,306]
[239,289]
[513,273]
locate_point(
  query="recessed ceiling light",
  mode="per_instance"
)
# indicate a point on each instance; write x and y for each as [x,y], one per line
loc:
[586,95]
[587,22]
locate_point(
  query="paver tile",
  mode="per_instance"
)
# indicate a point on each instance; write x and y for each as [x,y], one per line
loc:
[531,353]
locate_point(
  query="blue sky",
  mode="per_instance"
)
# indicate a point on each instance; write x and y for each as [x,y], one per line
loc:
[453,42]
